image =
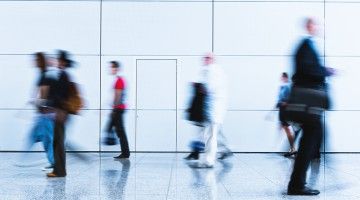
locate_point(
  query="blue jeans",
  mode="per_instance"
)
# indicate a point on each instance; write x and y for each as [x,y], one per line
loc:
[43,131]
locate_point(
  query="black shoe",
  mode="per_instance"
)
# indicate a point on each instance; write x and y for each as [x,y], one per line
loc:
[201,166]
[122,156]
[192,156]
[303,191]
[225,155]
[288,154]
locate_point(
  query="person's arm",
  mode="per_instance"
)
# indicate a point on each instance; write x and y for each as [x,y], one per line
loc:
[43,91]
[117,96]
[310,63]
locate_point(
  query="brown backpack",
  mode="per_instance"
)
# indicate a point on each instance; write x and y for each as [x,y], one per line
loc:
[74,103]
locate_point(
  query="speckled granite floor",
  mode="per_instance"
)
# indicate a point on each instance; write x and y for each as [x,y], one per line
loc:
[167,176]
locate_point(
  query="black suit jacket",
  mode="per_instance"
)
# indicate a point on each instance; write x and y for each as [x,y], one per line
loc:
[309,72]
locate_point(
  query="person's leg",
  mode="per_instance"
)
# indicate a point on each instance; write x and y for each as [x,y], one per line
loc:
[223,146]
[120,131]
[291,140]
[59,147]
[222,142]
[289,136]
[197,145]
[34,135]
[319,143]
[211,144]
[48,137]
[306,151]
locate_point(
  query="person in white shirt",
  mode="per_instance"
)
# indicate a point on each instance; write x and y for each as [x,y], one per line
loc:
[215,81]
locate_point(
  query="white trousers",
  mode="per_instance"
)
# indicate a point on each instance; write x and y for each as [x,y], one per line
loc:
[211,130]
[215,141]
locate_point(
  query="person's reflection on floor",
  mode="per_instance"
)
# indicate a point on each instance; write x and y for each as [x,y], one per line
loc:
[116,189]
[55,189]
[206,180]
[315,172]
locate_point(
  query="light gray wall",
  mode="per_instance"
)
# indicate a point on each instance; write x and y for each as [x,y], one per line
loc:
[159,44]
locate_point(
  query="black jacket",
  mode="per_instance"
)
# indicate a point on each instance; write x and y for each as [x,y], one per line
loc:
[309,72]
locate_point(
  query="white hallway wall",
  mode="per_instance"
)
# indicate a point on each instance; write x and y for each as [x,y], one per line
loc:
[160,44]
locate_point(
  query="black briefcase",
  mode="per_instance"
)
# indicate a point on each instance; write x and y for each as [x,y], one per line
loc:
[306,104]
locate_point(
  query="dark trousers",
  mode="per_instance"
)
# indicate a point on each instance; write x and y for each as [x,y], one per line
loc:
[309,146]
[117,123]
[59,143]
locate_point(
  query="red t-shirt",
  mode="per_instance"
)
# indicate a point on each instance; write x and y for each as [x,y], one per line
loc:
[120,85]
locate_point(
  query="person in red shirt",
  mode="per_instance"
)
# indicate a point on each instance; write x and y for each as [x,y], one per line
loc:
[117,114]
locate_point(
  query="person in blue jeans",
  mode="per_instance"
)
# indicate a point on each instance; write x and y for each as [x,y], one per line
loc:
[43,129]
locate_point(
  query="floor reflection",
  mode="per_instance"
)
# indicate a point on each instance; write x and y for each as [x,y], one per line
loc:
[55,188]
[207,180]
[115,180]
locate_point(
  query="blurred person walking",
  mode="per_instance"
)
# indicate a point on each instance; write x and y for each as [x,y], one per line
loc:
[116,121]
[307,102]
[284,92]
[215,82]
[62,92]
[43,129]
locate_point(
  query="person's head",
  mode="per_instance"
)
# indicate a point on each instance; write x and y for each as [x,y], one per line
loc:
[40,60]
[114,67]
[209,59]
[311,26]
[284,77]
[64,60]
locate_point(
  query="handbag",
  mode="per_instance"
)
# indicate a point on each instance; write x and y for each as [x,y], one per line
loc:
[306,103]
[110,139]
[196,112]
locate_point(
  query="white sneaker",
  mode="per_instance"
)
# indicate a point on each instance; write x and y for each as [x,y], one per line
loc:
[48,168]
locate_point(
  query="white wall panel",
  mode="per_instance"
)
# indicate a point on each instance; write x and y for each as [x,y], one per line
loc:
[342,32]
[29,26]
[21,76]
[82,131]
[189,69]
[254,81]
[343,86]
[249,131]
[128,71]
[342,131]
[87,74]
[15,127]
[156,130]
[156,28]
[248,28]
[129,122]
[156,84]
[18,79]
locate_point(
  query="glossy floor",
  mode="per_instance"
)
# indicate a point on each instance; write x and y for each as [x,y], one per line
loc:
[167,176]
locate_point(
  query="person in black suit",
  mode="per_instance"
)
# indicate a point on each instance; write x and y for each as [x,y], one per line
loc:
[309,73]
